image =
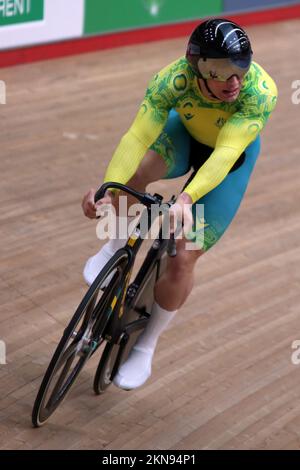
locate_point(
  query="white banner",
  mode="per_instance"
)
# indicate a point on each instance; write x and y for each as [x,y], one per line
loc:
[63,19]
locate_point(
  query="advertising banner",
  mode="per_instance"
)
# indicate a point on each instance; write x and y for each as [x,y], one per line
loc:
[20,11]
[30,22]
[120,15]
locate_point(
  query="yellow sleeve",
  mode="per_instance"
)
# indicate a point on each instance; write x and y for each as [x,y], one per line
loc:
[145,129]
[231,143]
[161,96]
[240,130]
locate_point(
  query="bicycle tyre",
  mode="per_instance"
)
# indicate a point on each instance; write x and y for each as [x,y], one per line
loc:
[105,367]
[43,408]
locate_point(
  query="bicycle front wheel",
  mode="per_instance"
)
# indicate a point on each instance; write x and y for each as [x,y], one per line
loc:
[81,338]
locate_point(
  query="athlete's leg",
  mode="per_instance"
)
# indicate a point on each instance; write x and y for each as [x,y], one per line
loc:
[170,292]
[221,204]
[220,207]
[175,285]
[173,288]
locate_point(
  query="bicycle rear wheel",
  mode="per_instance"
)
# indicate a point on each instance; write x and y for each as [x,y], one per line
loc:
[115,354]
[112,357]
[80,339]
[103,377]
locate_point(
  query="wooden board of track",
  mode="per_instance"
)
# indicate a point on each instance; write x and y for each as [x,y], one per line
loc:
[222,376]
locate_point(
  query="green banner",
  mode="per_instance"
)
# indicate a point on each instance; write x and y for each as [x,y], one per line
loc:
[118,15]
[20,11]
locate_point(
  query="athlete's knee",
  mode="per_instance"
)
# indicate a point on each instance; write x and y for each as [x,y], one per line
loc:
[188,252]
[151,169]
[139,180]
[182,265]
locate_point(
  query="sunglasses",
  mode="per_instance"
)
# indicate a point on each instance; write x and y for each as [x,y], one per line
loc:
[223,69]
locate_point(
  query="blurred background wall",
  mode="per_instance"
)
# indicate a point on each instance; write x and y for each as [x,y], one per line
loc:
[25,23]
[122,14]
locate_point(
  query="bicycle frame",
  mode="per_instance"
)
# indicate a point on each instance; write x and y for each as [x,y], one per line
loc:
[128,317]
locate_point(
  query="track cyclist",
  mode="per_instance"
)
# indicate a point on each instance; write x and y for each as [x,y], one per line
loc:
[204,112]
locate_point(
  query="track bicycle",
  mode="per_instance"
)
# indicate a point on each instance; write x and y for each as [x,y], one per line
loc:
[114,311]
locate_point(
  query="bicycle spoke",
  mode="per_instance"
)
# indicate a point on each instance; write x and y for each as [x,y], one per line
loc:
[78,335]
[67,353]
[57,388]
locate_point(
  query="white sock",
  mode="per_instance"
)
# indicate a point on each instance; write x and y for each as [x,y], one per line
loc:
[137,368]
[158,322]
[97,262]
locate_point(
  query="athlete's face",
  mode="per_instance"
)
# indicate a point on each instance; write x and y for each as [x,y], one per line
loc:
[226,91]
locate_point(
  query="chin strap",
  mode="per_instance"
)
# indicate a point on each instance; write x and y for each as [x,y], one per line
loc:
[209,90]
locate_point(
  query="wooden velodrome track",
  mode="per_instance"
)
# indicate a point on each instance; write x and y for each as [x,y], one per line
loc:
[222,376]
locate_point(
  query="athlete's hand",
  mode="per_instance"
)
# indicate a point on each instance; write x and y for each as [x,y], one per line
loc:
[181,213]
[89,206]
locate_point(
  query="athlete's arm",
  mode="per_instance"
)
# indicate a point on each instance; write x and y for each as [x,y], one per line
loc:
[146,128]
[240,130]
[161,96]
[231,143]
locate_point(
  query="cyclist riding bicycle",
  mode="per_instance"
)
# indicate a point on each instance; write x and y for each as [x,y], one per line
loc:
[205,112]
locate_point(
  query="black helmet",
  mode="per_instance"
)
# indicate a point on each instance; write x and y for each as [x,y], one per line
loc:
[218,49]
